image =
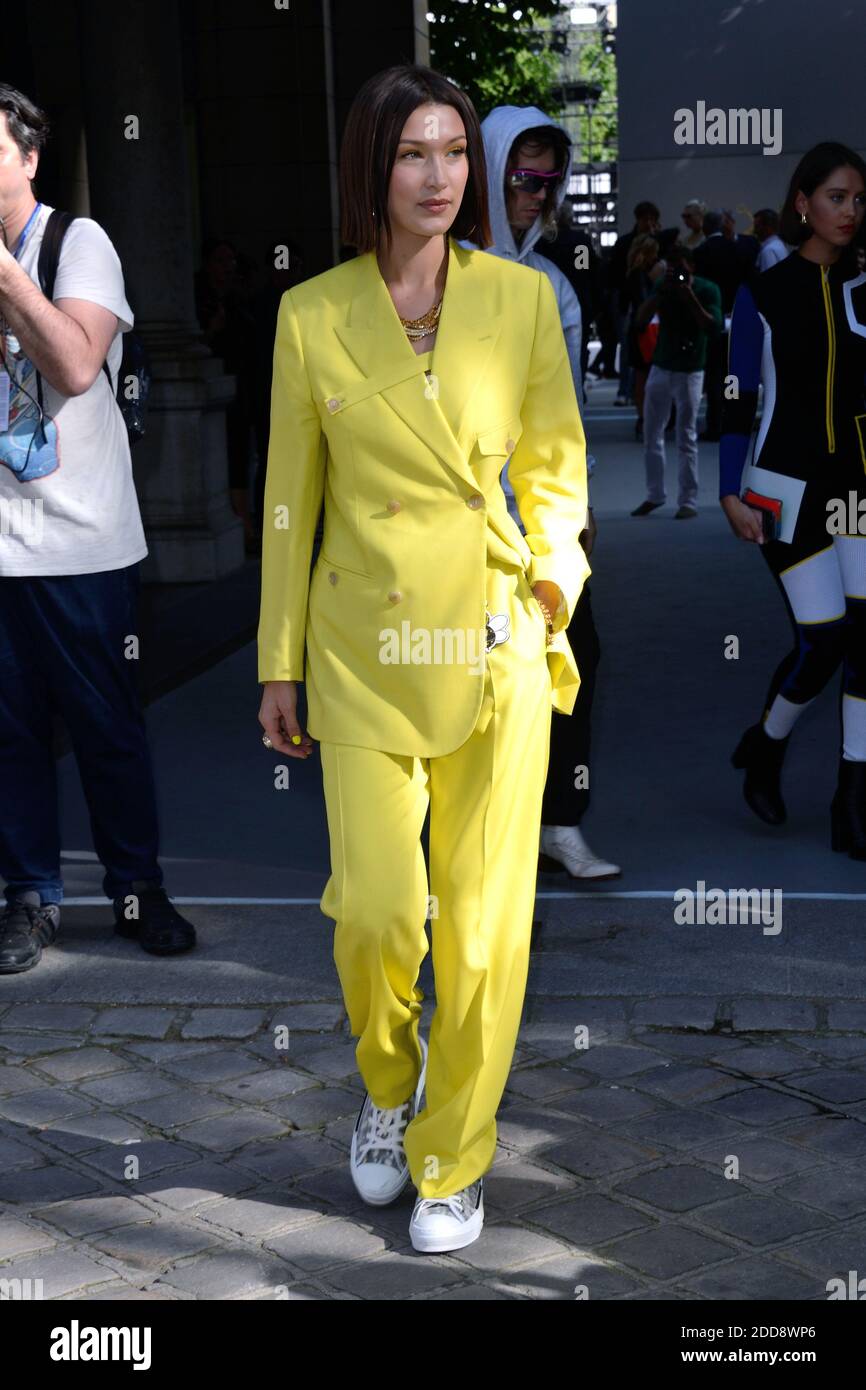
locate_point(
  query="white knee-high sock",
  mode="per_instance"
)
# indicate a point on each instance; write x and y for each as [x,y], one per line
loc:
[853,729]
[782,716]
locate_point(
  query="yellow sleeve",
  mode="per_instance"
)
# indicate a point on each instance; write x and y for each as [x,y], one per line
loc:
[547,470]
[293,497]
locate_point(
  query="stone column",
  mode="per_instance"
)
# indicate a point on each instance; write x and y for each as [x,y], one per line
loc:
[139,191]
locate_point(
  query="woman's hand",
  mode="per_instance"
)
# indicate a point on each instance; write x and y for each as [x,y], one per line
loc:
[549,594]
[745,522]
[278,718]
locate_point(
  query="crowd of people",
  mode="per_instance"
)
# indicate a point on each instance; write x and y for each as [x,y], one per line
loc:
[660,301]
[707,311]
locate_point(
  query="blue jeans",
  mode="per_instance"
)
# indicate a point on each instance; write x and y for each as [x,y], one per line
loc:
[63,640]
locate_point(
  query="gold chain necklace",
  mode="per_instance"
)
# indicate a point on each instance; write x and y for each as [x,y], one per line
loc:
[426,324]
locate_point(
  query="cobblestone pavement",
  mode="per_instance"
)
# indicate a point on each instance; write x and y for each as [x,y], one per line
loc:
[613,1178]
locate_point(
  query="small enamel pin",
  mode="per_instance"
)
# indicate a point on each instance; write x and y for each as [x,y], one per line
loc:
[498,629]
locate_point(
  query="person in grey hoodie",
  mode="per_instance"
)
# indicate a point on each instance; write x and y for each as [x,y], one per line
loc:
[528,167]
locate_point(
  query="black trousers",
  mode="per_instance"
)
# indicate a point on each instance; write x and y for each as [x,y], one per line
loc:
[63,644]
[564,803]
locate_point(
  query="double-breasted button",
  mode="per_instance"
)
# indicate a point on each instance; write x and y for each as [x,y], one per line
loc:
[475,501]
[395,595]
[333,404]
[332,577]
[509,445]
[394,505]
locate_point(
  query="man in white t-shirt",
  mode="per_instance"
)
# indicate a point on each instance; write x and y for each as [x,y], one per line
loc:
[71,540]
[773,249]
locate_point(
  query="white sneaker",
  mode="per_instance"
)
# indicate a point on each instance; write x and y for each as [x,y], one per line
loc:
[448,1223]
[566,848]
[377,1160]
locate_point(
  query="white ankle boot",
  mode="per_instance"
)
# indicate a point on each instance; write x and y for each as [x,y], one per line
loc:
[566,847]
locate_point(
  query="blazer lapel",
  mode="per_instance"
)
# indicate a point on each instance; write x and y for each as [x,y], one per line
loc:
[464,344]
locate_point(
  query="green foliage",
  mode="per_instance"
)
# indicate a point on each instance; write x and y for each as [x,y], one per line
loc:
[599,67]
[497,60]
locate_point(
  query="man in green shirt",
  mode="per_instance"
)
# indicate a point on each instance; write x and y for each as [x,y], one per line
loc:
[689,310]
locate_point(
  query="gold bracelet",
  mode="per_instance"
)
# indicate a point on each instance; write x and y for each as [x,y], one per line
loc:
[547,618]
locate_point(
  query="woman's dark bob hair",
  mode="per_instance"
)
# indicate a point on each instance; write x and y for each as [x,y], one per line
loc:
[814,168]
[374,125]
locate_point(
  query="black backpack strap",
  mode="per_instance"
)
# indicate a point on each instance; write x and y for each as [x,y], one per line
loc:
[49,259]
[49,251]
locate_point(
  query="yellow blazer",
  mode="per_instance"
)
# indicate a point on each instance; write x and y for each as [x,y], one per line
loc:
[409,472]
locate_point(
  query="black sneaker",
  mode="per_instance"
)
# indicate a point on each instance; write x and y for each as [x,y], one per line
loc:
[158,927]
[646,507]
[26,925]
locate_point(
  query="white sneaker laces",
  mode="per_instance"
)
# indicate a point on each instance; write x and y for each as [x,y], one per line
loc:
[382,1137]
[459,1204]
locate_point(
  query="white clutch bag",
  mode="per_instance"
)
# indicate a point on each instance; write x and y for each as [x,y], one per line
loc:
[780,488]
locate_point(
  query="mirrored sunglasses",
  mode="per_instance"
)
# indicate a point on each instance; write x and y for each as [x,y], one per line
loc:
[530,181]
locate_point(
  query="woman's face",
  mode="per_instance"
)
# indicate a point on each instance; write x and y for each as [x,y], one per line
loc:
[429,173]
[835,209]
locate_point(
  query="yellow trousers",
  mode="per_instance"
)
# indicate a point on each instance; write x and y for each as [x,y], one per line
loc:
[485,816]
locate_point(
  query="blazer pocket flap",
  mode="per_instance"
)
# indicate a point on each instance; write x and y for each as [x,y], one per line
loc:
[501,440]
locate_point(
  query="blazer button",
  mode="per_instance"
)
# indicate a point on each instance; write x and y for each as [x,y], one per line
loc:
[394,505]
[333,404]
[475,501]
[509,445]
[332,577]
[395,595]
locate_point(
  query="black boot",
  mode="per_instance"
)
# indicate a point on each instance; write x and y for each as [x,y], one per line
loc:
[762,757]
[157,925]
[26,925]
[848,810]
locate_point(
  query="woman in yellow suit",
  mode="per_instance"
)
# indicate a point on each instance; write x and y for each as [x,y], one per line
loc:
[434,631]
